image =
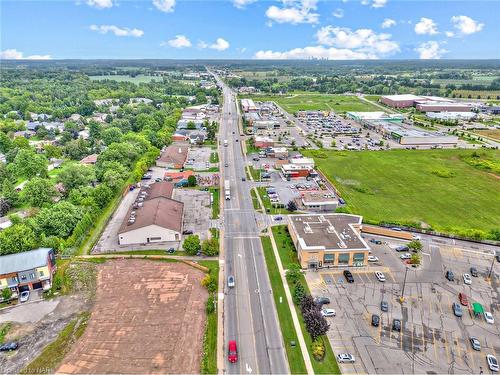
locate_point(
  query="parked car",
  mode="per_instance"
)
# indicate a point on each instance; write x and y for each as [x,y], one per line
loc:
[405,256]
[492,363]
[489,317]
[24,296]
[188,231]
[457,309]
[230,281]
[278,218]
[396,325]
[467,279]
[243,179]
[372,258]
[345,358]
[341,201]
[8,347]
[462,297]
[402,248]
[171,250]
[473,272]
[348,276]
[450,276]
[380,276]
[476,345]
[232,352]
[376,242]
[384,306]
[328,312]
[375,320]
[322,300]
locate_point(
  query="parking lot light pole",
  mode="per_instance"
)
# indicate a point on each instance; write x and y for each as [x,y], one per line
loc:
[402,298]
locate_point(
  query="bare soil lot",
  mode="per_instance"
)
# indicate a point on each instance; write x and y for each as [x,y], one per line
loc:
[148,317]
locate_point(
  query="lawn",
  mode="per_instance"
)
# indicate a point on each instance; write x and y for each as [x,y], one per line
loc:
[216,202]
[126,78]
[326,102]
[294,355]
[255,200]
[270,208]
[446,189]
[214,157]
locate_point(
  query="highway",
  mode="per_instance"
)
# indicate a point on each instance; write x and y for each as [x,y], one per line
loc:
[250,315]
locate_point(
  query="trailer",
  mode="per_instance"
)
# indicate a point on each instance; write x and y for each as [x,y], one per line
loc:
[381,231]
[227,189]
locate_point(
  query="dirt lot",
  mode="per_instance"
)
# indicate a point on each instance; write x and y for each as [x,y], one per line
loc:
[148,317]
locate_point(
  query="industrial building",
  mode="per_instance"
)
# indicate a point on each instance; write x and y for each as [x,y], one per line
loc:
[442,106]
[451,116]
[375,116]
[400,101]
[247,105]
[329,240]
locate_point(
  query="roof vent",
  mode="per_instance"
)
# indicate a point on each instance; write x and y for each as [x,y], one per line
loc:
[308,229]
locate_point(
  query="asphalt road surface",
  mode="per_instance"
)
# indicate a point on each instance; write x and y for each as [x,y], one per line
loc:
[249,312]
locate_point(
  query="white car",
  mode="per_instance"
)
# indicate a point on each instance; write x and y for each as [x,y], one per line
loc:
[380,276]
[405,256]
[24,296]
[372,258]
[230,281]
[328,312]
[467,279]
[345,358]
[492,363]
[489,317]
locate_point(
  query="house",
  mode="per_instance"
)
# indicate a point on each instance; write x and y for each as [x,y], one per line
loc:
[24,133]
[155,217]
[174,156]
[328,240]
[140,101]
[29,270]
[197,137]
[190,124]
[179,137]
[89,160]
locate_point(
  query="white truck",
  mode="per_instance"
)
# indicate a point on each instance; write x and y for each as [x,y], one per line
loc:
[227,189]
[225,142]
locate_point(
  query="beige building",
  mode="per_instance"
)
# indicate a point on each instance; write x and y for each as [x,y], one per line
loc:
[329,240]
[319,201]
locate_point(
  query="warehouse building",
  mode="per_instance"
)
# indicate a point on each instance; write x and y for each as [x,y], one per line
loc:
[329,240]
[442,106]
[400,101]
[451,116]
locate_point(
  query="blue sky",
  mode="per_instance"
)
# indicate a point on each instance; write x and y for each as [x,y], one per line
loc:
[244,29]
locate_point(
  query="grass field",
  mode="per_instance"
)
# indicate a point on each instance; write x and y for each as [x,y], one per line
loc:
[436,187]
[491,133]
[125,78]
[297,102]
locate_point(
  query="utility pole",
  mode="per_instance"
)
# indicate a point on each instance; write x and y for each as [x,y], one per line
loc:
[491,268]
[401,298]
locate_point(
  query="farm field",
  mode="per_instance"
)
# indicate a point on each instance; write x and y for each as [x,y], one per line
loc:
[126,78]
[325,102]
[434,187]
[492,133]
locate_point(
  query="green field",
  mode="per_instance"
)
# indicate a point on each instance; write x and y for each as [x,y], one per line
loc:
[297,102]
[125,78]
[434,187]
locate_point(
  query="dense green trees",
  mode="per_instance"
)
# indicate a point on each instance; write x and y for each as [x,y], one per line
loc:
[58,220]
[75,176]
[38,191]
[28,164]
[17,238]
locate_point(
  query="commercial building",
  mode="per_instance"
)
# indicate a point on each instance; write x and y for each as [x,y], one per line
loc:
[451,116]
[278,152]
[29,270]
[174,156]
[375,116]
[318,201]
[247,105]
[400,101]
[303,162]
[290,171]
[441,106]
[266,127]
[263,141]
[154,217]
[329,240]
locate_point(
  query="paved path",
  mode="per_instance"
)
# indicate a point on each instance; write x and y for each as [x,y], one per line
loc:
[29,312]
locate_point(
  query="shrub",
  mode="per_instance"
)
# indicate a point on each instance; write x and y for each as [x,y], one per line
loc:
[210,307]
[318,350]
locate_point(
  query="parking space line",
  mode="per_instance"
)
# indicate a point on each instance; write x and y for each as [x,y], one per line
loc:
[446,347]
[434,344]
[471,353]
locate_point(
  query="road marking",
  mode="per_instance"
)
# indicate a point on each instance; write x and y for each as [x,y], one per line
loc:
[248,368]
[434,344]
[243,237]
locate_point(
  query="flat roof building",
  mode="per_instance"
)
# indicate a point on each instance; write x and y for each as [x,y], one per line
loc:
[319,201]
[375,116]
[441,106]
[400,101]
[329,240]
[450,116]
[174,156]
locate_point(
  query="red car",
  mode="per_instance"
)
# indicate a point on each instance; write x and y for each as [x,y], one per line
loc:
[463,299]
[232,352]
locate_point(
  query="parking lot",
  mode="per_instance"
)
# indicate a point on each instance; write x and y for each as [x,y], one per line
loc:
[199,158]
[431,337]
[197,210]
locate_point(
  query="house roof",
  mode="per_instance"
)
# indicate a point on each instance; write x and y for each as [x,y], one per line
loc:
[179,175]
[24,261]
[91,159]
[160,189]
[176,154]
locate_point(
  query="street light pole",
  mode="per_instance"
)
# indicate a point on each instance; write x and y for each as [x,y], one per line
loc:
[401,298]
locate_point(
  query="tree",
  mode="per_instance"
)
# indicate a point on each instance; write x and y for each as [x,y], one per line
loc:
[76,175]
[210,247]
[5,143]
[28,164]
[293,273]
[291,206]
[58,220]
[191,181]
[52,151]
[316,323]
[38,191]
[333,144]
[298,293]
[9,192]
[5,206]
[114,178]
[111,135]
[76,149]
[102,195]
[17,238]
[191,244]
[415,245]
[6,294]
[415,258]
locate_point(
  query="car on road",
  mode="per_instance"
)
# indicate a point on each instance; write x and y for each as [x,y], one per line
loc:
[341,201]
[171,250]
[322,301]
[380,276]
[492,363]
[348,276]
[462,297]
[467,279]
[489,317]
[243,179]
[345,358]
[396,325]
[405,256]
[230,281]
[278,218]
[232,351]
[328,312]
[226,165]
[473,272]
[9,346]
[450,276]
[457,310]
[372,258]
[476,345]
[384,306]
[24,296]
[375,320]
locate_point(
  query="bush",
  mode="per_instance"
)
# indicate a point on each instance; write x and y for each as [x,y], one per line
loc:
[191,244]
[210,283]
[210,307]
[318,350]
[210,247]
[293,273]
[298,293]
[6,294]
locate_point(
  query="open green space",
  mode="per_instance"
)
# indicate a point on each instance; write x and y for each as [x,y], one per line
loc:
[126,78]
[214,157]
[216,202]
[270,207]
[255,200]
[294,354]
[326,102]
[448,190]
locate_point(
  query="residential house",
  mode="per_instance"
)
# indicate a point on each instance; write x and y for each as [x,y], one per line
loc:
[174,156]
[89,160]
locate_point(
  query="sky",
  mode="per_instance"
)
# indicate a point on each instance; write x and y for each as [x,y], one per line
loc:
[249,29]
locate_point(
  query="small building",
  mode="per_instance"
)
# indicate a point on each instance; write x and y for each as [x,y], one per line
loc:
[24,133]
[174,156]
[290,171]
[278,152]
[303,162]
[318,201]
[89,160]
[247,105]
[263,141]
[179,179]
[329,240]
[29,270]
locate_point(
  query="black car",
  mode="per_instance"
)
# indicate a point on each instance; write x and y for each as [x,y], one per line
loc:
[9,346]
[348,276]
[449,275]
[322,300]
[171,250]
[396,325]
[187,232]
[384,306]
[375,320]
[473,272]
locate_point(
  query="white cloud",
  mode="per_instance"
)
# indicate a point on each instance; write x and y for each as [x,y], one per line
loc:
[388,22]
[202,44]
[339,13]
[241,4]
[180,41]
[220,44]
[426,26]
[466,25]
[118,31]
[430,50]
[314,52]
[166,6]
[294,12]
[100,4]
[374,3]
[361,40]
[450,34]
[14,54]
